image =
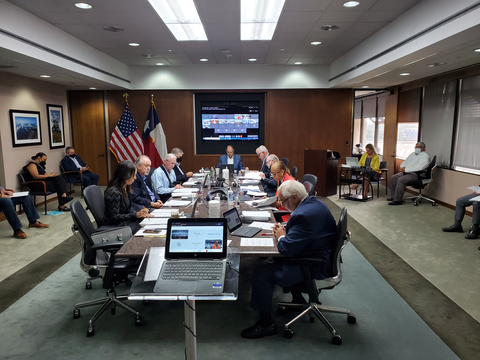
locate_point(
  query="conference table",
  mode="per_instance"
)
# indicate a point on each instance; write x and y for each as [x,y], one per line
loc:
[143,247]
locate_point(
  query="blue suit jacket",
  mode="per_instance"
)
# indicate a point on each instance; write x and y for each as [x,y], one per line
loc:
[264,167]
[237,161]
[180,177]
[311,228]
[140,196]
[69,165]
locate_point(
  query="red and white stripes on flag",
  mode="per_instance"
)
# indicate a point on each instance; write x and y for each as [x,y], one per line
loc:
[154,140]
[126,141]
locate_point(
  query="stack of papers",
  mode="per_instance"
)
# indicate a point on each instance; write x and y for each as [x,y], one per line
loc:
[162,213]
[252,175]
[256,215]
[250,187]
[249,182]
[151,231]
[263,225]
[157,221]
[256,242]
[20,194]
[477,190]
[177,203]
[256,193]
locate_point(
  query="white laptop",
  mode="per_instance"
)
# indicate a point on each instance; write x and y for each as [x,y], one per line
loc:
[352,162]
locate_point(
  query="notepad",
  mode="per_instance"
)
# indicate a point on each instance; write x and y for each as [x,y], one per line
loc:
[256,242]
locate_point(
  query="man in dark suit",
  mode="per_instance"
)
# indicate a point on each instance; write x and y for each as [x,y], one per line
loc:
[310,229]
[231,158]
[262,153]
[179,173]
[72,162]
[143,195]
[268,182]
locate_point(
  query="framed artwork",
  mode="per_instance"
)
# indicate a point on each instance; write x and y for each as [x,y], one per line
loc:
[55,126]
[26,130]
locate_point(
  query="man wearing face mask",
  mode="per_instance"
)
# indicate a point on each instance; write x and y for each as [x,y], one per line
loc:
[179,173]
[72,162]
[416,161]
[143,196]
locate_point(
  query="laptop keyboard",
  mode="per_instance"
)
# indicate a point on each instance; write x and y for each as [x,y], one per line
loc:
[246,231]
[196,270]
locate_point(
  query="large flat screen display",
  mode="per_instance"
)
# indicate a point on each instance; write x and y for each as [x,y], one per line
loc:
[229,119]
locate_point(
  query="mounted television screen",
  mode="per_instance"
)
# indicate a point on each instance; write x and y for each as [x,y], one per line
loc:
[229,119]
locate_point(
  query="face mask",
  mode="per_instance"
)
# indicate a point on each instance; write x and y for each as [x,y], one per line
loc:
[418,151]
[179,159]
[72,156]
[43,163]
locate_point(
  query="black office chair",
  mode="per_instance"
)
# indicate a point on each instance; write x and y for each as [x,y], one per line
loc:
[383,175]
[285,161]
[424,177]
[293,172]
[310,183]
[28,184]
[98,257]
[313,287]
[75,181]
[95,203]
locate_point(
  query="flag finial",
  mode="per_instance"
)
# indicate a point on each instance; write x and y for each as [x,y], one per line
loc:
[125,96]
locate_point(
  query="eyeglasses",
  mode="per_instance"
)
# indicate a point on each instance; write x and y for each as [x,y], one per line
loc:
[259,154]
[284,201]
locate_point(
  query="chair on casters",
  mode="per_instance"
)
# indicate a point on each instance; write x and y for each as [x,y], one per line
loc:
[285,161]
[98,257]
[73,181]
[310,183]
[43,193]
[96,204]
[293,172]
[313,287]
[425,177]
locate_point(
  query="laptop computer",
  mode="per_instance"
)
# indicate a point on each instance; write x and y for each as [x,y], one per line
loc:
[230,168]
[352,162]
[195,257]
[234,224]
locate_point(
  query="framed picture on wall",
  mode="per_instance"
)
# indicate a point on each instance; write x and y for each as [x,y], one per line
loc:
[55,126]
[25,127]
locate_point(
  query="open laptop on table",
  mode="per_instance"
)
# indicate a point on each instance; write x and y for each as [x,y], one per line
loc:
[352,162]
[234,224]
[195,257]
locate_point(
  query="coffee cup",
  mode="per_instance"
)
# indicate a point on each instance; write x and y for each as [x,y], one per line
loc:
[175,214]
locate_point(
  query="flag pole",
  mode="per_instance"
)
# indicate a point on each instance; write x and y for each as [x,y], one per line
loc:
[125,95]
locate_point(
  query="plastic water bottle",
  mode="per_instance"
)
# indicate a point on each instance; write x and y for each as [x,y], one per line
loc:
[230,197]
[237,201]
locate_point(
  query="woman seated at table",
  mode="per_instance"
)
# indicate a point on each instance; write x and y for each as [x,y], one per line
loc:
[118,198]
[35,170]
[280,173]
[371,161]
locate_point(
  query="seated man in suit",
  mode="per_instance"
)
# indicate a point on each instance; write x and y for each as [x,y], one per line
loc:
[163,178]
[268,182]
[310,229]
[72,162]
[7,205]
[179,173]
[461,204]
[143,195]
[231,158]
[262,153]
[416,161]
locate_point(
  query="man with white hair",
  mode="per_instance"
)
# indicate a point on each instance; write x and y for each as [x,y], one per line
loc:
[143,196]
[262,153]
[310,230]
[163,178]
[268,182]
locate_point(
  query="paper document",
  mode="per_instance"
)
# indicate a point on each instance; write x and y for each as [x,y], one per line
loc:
[197,175]
[252,175]
[475,189]
[151,231]
[256,215]
[177,203]
[250,187]
[477,198]
[188,191]
[155,261]
[158,221]
[256,242]
[228,242]
[256,193]
[249,182]
[263,225]
[20,193]
[162,212]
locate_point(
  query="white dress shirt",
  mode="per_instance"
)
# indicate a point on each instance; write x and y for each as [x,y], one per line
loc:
[415,162]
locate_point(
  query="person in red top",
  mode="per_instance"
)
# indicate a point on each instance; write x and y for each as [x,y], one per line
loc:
[281,173]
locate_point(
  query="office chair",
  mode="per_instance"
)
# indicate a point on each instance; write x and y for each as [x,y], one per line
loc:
[95,203]
[73,181]
[293,172]
[43,193]
[313,287]
[310,183]
[285,161]
[95,257]
[425,177]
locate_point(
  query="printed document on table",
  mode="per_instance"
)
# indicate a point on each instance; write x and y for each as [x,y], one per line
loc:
[177,203]
[159,221]
[262,225]
[250,187]
[252,175]
[20,193]
[256,215]
[151,231]
[256,193]
[162,212]
[256,242]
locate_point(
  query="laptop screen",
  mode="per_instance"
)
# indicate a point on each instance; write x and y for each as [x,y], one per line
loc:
[196,238]
[233,219]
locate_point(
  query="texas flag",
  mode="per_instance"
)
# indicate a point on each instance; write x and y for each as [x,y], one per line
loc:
[154,140]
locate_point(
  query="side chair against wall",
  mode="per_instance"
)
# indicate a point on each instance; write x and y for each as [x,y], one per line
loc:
[310,183]
[383,175]
[313,287]
[26,184]
[424,177]
[285,161]
[73,180]
[97,257]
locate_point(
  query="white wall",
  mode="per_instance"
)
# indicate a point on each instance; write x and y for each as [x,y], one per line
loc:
[22,93]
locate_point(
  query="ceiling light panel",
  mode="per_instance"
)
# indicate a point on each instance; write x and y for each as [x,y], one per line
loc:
[259,18]
[182,18]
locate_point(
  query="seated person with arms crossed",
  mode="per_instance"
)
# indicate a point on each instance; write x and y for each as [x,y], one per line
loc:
[416,161]
[179,173]
[460,206]
[231,158]
[35,170]
[72,162]
[163,178]
[7,205]
[143,195]
[118,198]
[310,230]
[371,161]
[268,182]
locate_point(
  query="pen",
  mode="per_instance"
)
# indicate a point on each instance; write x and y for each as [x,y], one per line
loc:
[148,217]
[267,234]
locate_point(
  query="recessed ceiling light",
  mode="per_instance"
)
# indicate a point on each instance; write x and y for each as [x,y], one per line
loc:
[436,64]
[330,27]
[404,74]
[351,4]
[315,43]
[113,28]
[252,59]
[477,50]
[203,59]
[134,44]
[160,64]
[170,50]
[282,49]
[84,6]
[44,76]
[92,88]
[258,19]
[298,63]
[365,86]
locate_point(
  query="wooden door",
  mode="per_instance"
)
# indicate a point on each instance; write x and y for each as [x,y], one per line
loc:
[88,130]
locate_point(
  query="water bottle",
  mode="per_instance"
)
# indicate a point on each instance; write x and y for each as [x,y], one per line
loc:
[237,201]
[230,197]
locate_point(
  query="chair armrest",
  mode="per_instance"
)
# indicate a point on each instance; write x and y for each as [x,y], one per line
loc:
[111,247]
[36,181]
[74,172]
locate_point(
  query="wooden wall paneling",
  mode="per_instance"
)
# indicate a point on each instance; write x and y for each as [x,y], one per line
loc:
[88,130]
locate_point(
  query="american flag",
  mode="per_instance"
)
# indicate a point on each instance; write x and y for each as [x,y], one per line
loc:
[126,141]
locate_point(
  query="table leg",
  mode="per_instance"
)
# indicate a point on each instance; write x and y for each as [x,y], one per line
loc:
[190,330]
